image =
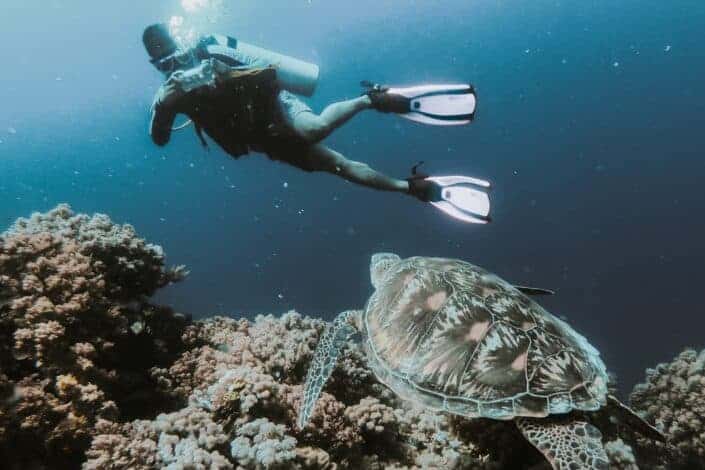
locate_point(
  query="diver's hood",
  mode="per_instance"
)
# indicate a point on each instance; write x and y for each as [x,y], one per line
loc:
[158,42]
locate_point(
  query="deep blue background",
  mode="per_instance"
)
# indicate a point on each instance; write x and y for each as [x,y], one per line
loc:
[589,128]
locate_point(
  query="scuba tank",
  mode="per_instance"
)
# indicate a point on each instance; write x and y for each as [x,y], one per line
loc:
[294,75]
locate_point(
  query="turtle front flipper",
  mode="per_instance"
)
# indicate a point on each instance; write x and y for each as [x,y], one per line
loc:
[633,420]
[324,360]
[567,444]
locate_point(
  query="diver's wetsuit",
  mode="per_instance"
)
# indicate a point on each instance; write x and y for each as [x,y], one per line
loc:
[255,115]
[240,116]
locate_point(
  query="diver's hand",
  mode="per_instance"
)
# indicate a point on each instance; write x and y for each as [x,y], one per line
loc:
[169,93]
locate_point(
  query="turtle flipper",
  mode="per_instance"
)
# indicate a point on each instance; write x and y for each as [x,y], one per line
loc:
[323,362]
[634,421]
[567,444]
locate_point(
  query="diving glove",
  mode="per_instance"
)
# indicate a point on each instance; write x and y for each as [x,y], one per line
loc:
[462,197]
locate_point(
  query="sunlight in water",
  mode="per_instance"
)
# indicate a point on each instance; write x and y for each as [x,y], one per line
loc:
[193,5]
[198,16]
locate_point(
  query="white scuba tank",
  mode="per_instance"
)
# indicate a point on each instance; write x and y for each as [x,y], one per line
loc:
[294,75]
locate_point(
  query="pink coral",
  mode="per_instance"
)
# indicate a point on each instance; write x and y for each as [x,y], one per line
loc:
[371,416]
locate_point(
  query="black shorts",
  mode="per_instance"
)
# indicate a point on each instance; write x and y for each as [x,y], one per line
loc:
[290,149]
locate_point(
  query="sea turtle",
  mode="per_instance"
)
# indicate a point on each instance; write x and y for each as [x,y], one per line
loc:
[456,338]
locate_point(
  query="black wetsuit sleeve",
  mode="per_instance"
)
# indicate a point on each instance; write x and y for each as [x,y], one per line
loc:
[163,115]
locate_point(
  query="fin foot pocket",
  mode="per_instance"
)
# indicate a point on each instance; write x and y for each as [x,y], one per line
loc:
[462,197]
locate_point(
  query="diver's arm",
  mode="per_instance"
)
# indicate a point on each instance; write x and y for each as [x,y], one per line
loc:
[163,113]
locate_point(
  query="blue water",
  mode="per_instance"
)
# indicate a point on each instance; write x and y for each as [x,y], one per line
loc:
[590,126]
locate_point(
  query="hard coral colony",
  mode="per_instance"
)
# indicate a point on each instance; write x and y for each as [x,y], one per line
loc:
[94,375]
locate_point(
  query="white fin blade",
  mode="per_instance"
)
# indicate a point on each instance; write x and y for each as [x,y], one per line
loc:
[452,180]
[457,214]
[414,91]
[445,105]
[423,119]
[467,199]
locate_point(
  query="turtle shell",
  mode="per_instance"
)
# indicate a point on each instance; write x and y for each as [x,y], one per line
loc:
[456,338]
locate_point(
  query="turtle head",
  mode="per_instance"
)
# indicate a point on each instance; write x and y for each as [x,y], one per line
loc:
[379,266]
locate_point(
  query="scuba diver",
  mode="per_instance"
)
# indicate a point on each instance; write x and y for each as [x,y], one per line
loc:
[244,98]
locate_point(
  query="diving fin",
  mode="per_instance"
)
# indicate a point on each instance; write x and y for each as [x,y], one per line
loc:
[534,291]
[463,198]
[438,105]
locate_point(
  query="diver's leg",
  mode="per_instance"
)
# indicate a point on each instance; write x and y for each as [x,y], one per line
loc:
[322,158]
[337,114]
[316,127]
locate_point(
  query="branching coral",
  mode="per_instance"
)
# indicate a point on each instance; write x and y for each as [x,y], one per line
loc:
[78,335]
[621,455]
[371,416]
[130,266]
[260,443]
[673,397]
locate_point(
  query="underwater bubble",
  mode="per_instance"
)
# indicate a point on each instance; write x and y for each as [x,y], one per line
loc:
[193,5]
[286,185]
[11,130]
[667,48]
[615,64]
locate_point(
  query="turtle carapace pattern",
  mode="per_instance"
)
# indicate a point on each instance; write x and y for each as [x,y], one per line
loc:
[456,338]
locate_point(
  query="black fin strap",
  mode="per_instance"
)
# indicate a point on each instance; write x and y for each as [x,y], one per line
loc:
[415,174]
[199,133]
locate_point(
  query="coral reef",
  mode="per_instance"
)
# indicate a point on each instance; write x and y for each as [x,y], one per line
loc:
[77,335]
[92,374]
[673,397]
[621,455]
